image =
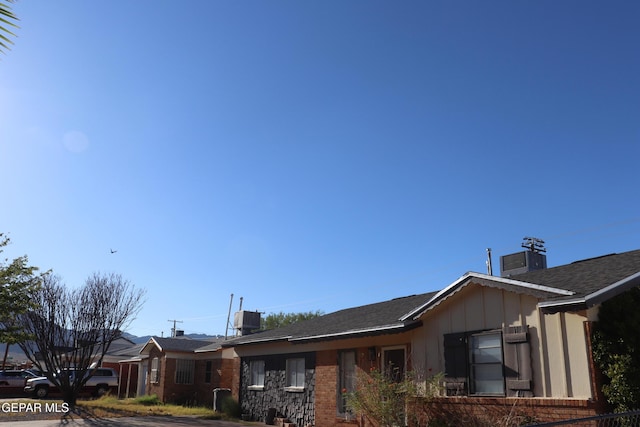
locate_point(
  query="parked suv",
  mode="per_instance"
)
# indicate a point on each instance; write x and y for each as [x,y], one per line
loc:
[100,382]
[14,380]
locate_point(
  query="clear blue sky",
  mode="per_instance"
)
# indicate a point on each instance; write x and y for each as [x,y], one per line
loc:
[314,155]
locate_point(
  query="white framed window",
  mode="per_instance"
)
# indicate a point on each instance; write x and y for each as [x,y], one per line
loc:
[155,370]
[295,373]
[346,379]
[184,371]
[256,374]
[485,363]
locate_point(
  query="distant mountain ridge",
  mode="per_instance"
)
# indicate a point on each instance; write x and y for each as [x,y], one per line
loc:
[16,356]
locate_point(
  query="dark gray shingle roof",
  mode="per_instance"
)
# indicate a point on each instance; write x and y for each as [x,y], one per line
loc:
[587,276]
[365,320]
[180,344]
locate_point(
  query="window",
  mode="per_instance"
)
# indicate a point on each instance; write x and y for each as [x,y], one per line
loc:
[485,360]
[184,371]
[346,378]
[490,362]
[295,373]
[256,368]
[207,371]
[155,370]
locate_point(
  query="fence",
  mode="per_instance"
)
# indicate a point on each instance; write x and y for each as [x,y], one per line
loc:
[622,419]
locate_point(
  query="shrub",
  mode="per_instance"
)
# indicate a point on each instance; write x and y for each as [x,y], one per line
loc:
[386,399]
[616,350]
[150,400]
[230,407]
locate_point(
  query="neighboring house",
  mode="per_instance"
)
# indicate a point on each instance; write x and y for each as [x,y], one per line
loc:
[131,383]
[303,370]
[519,343]
[182,370]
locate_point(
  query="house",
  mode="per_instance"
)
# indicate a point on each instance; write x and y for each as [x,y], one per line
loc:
[519,342]
[182,370]
[303,370]
[525,336]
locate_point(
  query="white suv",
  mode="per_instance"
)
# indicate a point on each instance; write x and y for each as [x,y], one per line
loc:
[100,382]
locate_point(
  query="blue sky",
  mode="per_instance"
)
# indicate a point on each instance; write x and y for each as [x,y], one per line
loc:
[314,155]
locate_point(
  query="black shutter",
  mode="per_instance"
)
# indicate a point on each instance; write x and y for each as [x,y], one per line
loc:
[455,364]
[517,362]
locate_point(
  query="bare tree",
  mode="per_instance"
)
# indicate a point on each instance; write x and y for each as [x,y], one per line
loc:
[74,328]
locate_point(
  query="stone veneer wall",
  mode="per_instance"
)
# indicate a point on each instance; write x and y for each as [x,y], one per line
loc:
[297,406]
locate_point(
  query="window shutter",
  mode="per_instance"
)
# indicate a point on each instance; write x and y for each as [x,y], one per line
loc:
[455,364]
[517,361]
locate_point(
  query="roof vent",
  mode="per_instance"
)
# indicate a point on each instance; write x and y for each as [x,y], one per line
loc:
[525,261]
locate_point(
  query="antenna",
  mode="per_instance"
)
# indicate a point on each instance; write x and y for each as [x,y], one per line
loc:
[173,330]
[489,266]
[533,244]
[226,331]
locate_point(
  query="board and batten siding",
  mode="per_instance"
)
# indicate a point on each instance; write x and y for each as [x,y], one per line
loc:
[559,362]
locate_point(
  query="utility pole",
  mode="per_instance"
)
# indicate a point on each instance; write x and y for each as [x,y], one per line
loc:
[226,332]
[173,330]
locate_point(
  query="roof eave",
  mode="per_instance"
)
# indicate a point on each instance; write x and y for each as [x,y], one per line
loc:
[453,287]
[255,341]
[378,330]
[594,298]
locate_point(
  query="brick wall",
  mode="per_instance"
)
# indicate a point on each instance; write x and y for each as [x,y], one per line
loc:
[156,388]
[203,391]
[516,409]
[230,376]
[327,387]
[326,383]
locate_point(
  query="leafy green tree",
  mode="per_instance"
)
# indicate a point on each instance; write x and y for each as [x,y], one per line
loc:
[278,320]
[7,20]
[18,283]
[616,349]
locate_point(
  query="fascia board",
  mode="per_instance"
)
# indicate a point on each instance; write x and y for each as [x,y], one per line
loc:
[257,341]
[150,342]
[464,280]
[594,298]
[612,290]
[350,333]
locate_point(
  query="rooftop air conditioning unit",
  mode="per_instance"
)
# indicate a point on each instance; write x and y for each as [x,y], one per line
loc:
[522,262]
[245,321]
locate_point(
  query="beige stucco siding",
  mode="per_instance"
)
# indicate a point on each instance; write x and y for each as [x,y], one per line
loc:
[558,348]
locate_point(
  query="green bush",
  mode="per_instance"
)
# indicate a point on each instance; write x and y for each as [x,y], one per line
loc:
[150,400]
[230,407]
[616,350]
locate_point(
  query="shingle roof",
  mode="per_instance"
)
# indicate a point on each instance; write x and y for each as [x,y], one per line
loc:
[586,276]
[177,344]
[371,319]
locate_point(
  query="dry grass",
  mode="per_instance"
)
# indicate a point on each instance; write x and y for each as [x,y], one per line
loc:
[147,405]
[105,407]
